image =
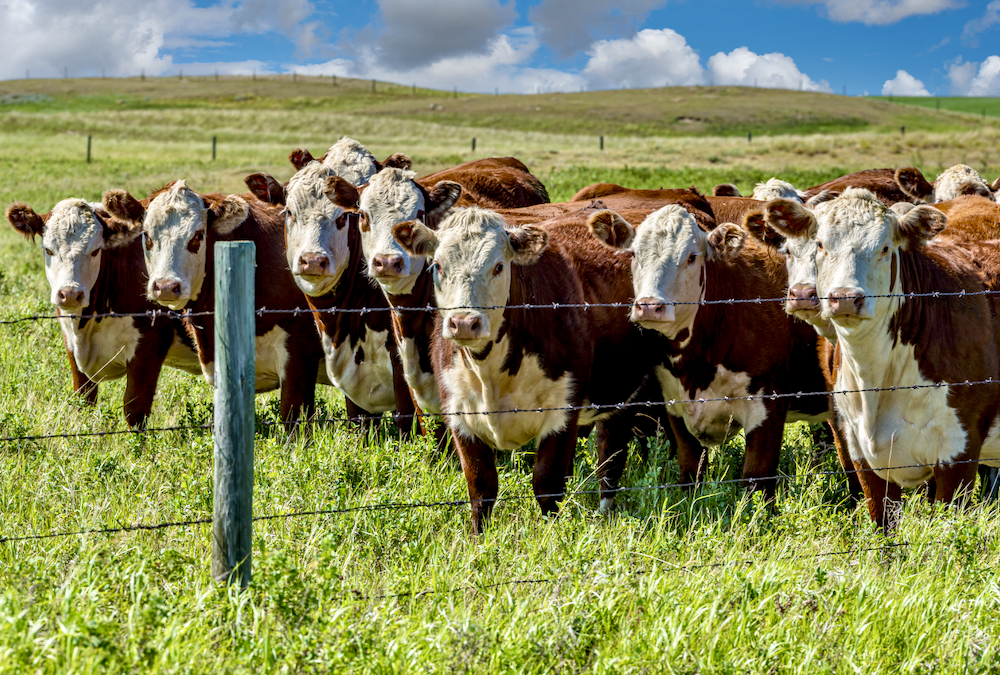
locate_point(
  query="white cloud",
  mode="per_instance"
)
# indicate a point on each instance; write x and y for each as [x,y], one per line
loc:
[743,67]
[879,12]
[653,58]
[122,37]
[904,84]
[991,18]
[571,26]
[966,81]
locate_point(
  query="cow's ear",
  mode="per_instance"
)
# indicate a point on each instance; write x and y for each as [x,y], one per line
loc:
[913,184]
[756,226]
[122,206]
[25,220]
[266,188]
[611,229]
[726,190]
[117,232]
[921,224]
[341,193]
[416,238]
[975,188]
[440,199]
[789,218]
[820,197]
[902,208]
[227,213]
[995,185]
[528,243]
[726,241]
[299,157]
[398,160]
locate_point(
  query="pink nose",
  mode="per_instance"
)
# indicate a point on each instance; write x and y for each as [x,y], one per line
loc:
[69,297]
[166,290]
[465,326]
[390,265]
[846,301]
[802,296]
[314,264]
[649,309]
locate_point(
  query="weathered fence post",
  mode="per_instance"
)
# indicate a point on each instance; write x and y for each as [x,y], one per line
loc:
[232,524]
[88,149]
[473,143]
[213,147]
[602,142]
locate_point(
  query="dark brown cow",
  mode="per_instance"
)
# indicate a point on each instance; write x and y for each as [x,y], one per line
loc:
[94,265]
[882,182]
[618,198]
[180,228]
[492,183]
[495,365]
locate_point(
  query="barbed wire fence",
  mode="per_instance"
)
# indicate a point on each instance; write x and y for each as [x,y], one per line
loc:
[238,561]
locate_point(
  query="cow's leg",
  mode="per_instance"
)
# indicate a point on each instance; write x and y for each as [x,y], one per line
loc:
[298,385]
[358,416]
[82,384]
[553,462]
[955,481]
[760,464]
[480,469]
[142,373]
[989,476]
[840,443]
[883,498]
[612,439]
[405,407]
[692,458]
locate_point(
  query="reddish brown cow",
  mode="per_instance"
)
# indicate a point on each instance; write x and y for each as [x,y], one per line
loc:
[882,182]
[951,183]
[94,265]
[492,183]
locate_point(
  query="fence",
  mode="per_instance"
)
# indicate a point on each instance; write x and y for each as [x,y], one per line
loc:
[234,424]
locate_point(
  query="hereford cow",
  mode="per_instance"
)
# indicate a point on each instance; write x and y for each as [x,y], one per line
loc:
[952,182]
[508,375]
[94,266]
[711,353]
[897,356]
[323,250]
[180,228]
[492,183]
[880,181]
[350,160]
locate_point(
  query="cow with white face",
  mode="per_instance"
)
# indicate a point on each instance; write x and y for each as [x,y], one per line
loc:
[323,250]
[180,228]
[711,354]
[350,160]
[775,188]
[869,257]
[94,265]
[953,182]
[508,375]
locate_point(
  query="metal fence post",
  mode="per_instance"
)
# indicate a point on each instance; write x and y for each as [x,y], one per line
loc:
[232,526]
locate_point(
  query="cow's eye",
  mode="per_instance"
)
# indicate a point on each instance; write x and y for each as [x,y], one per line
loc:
[48,252]
[435,268]
[692,258]
[195,244]
[96,251]
[819,245]
[498,269]
[885,250]
[363,222]
[148,241]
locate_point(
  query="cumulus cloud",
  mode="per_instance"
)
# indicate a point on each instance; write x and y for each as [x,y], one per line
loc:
[743,67]
[904,84]
[879,12]
[970,35]
[122,37]
[653,58]
[967,81]
[571,26]
[412,34]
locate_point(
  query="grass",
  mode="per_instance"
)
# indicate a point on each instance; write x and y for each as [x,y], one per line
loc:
[709,581]
[981,107]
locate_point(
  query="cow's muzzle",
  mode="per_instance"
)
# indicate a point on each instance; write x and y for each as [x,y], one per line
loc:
[314,265]
[846,301]
[69,297]
[388,266]
[650,309]
[802,297]
[166,290]
[464,327]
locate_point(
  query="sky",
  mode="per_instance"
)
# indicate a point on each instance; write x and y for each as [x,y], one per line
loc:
[857,47]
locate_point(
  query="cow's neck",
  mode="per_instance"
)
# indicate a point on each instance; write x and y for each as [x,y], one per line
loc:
[120,286]
[410,314]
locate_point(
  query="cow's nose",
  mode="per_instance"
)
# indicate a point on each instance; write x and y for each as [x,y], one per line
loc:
[650,309]
[846,301]
[802,296]
[388,265]
[314,264]
[465,326]
[69,297]
[166,290]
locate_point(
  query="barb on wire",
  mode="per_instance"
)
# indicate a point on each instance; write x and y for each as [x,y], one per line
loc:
[109,530]
[117,432]
[149,314]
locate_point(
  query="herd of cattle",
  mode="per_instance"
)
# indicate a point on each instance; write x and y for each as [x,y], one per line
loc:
[454,262]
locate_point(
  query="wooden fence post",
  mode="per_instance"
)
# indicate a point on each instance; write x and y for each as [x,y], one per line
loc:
[232,524]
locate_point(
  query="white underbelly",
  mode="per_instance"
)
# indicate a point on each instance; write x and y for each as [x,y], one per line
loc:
[365,377]
[182,357]
[270,359]
[102,349]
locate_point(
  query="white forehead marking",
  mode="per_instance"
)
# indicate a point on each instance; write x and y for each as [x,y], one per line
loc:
[856,213]
[305,190]
[947,184]
[351,161]
[475,233]
[72,227]
[666,233]
[393,189]
[166,213]
[775,188]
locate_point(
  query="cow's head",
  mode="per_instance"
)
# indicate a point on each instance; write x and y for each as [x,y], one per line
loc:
[669,254]
[858,242]
[794,222]
[775,188]
[352,161]
[73,236]
[176,226]
[390,198]
[952,182]
[472,253]
[316,232]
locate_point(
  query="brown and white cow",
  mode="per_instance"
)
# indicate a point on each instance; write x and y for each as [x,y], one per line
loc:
[709,353]
[897,356]
[350,160]
[951,183]
[507,375]
[323,250]
[880,181]
[180,229]
[94,265]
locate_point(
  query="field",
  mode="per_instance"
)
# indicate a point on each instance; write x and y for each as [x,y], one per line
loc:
[706,581]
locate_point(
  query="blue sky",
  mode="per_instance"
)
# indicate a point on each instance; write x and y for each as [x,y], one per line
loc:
[905,47]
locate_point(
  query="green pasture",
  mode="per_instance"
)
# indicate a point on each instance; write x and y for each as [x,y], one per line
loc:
[674,580]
